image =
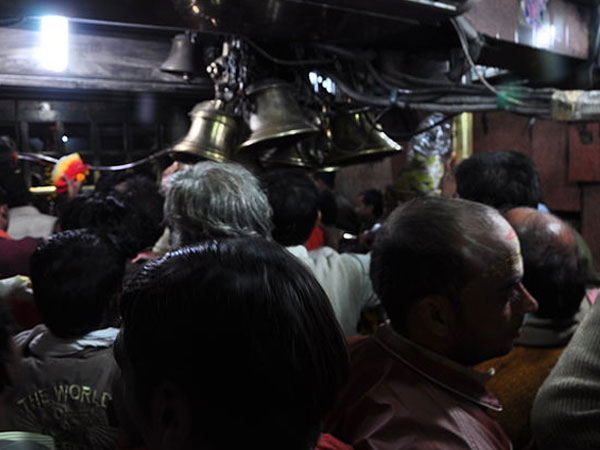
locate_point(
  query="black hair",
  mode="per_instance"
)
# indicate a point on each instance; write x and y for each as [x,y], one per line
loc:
[502,180]
[419,252]
[3,196]
[294,198]
[124,181]
[146,205]
[555,274]
[75,276]
[328,178]
[374,198]
[15,186]
[271,355]
[132,219]
[328,207]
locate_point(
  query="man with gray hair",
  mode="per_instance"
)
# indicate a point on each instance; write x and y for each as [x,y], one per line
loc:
[211,200]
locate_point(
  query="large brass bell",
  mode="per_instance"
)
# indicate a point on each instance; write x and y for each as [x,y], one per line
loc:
[276,120]
[181,59]
[214,134]
[355,138]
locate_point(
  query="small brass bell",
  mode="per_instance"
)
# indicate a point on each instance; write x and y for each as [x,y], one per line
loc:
[276,119]
[214,134]
[181,59]
[355,138]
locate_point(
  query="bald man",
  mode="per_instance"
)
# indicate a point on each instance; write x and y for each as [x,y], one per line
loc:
[448,273]
[556,275]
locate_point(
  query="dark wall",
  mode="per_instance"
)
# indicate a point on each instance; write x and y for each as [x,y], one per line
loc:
[568,159]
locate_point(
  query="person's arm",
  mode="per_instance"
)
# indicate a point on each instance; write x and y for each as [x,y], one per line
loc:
[566,411]
[369,298]
[373,314]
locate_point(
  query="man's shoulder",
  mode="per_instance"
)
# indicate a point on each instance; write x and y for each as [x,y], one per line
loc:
[24,244]
[23,339]
[386,397]
[327,256]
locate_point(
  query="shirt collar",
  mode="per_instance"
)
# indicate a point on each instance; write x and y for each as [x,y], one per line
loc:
[441,371]
[539,332]
[48,345]
[299,251]
[23,210]
[41,440]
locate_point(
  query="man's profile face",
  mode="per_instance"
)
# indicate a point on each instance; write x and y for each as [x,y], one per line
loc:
[494,302]
[362,209]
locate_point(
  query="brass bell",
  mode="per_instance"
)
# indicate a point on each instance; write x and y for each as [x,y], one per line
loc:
[294,156]
[214,134]
[276,119]
[181,59]
[356,138]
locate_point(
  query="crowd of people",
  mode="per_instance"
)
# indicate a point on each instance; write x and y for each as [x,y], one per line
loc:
[219,310]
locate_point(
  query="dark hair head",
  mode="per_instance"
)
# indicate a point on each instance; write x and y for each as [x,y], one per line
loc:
[262,325]
[374,198]
[125,181]
[420,251]
[76,276]
[15,186]
[142,197]
[501,180]
[3,196]
[92,210]
[295,202]
[328,207]
[327,178]
[132,219]
[555,273]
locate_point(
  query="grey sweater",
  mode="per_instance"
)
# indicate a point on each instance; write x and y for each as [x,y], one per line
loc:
[566,411]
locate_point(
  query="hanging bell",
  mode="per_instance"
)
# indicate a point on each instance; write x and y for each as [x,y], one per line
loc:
[214,134]
[356,138]
[276,120]
[298,155]
[181,59]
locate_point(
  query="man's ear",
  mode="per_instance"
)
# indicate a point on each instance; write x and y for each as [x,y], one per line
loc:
[436,314]
[171,417]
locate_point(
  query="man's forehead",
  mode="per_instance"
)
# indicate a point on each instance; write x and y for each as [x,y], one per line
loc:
[497,252]
[502,229]
[508,264]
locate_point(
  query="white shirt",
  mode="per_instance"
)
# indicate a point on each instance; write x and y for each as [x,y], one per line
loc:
[345,279]
[27,221]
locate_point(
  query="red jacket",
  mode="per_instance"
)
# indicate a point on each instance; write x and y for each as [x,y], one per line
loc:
[14,255]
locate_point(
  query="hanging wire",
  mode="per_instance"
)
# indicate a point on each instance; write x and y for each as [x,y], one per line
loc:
[34,157]
[465,47]
[287,62]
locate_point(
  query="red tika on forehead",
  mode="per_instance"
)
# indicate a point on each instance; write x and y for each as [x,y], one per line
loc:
[510,236]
